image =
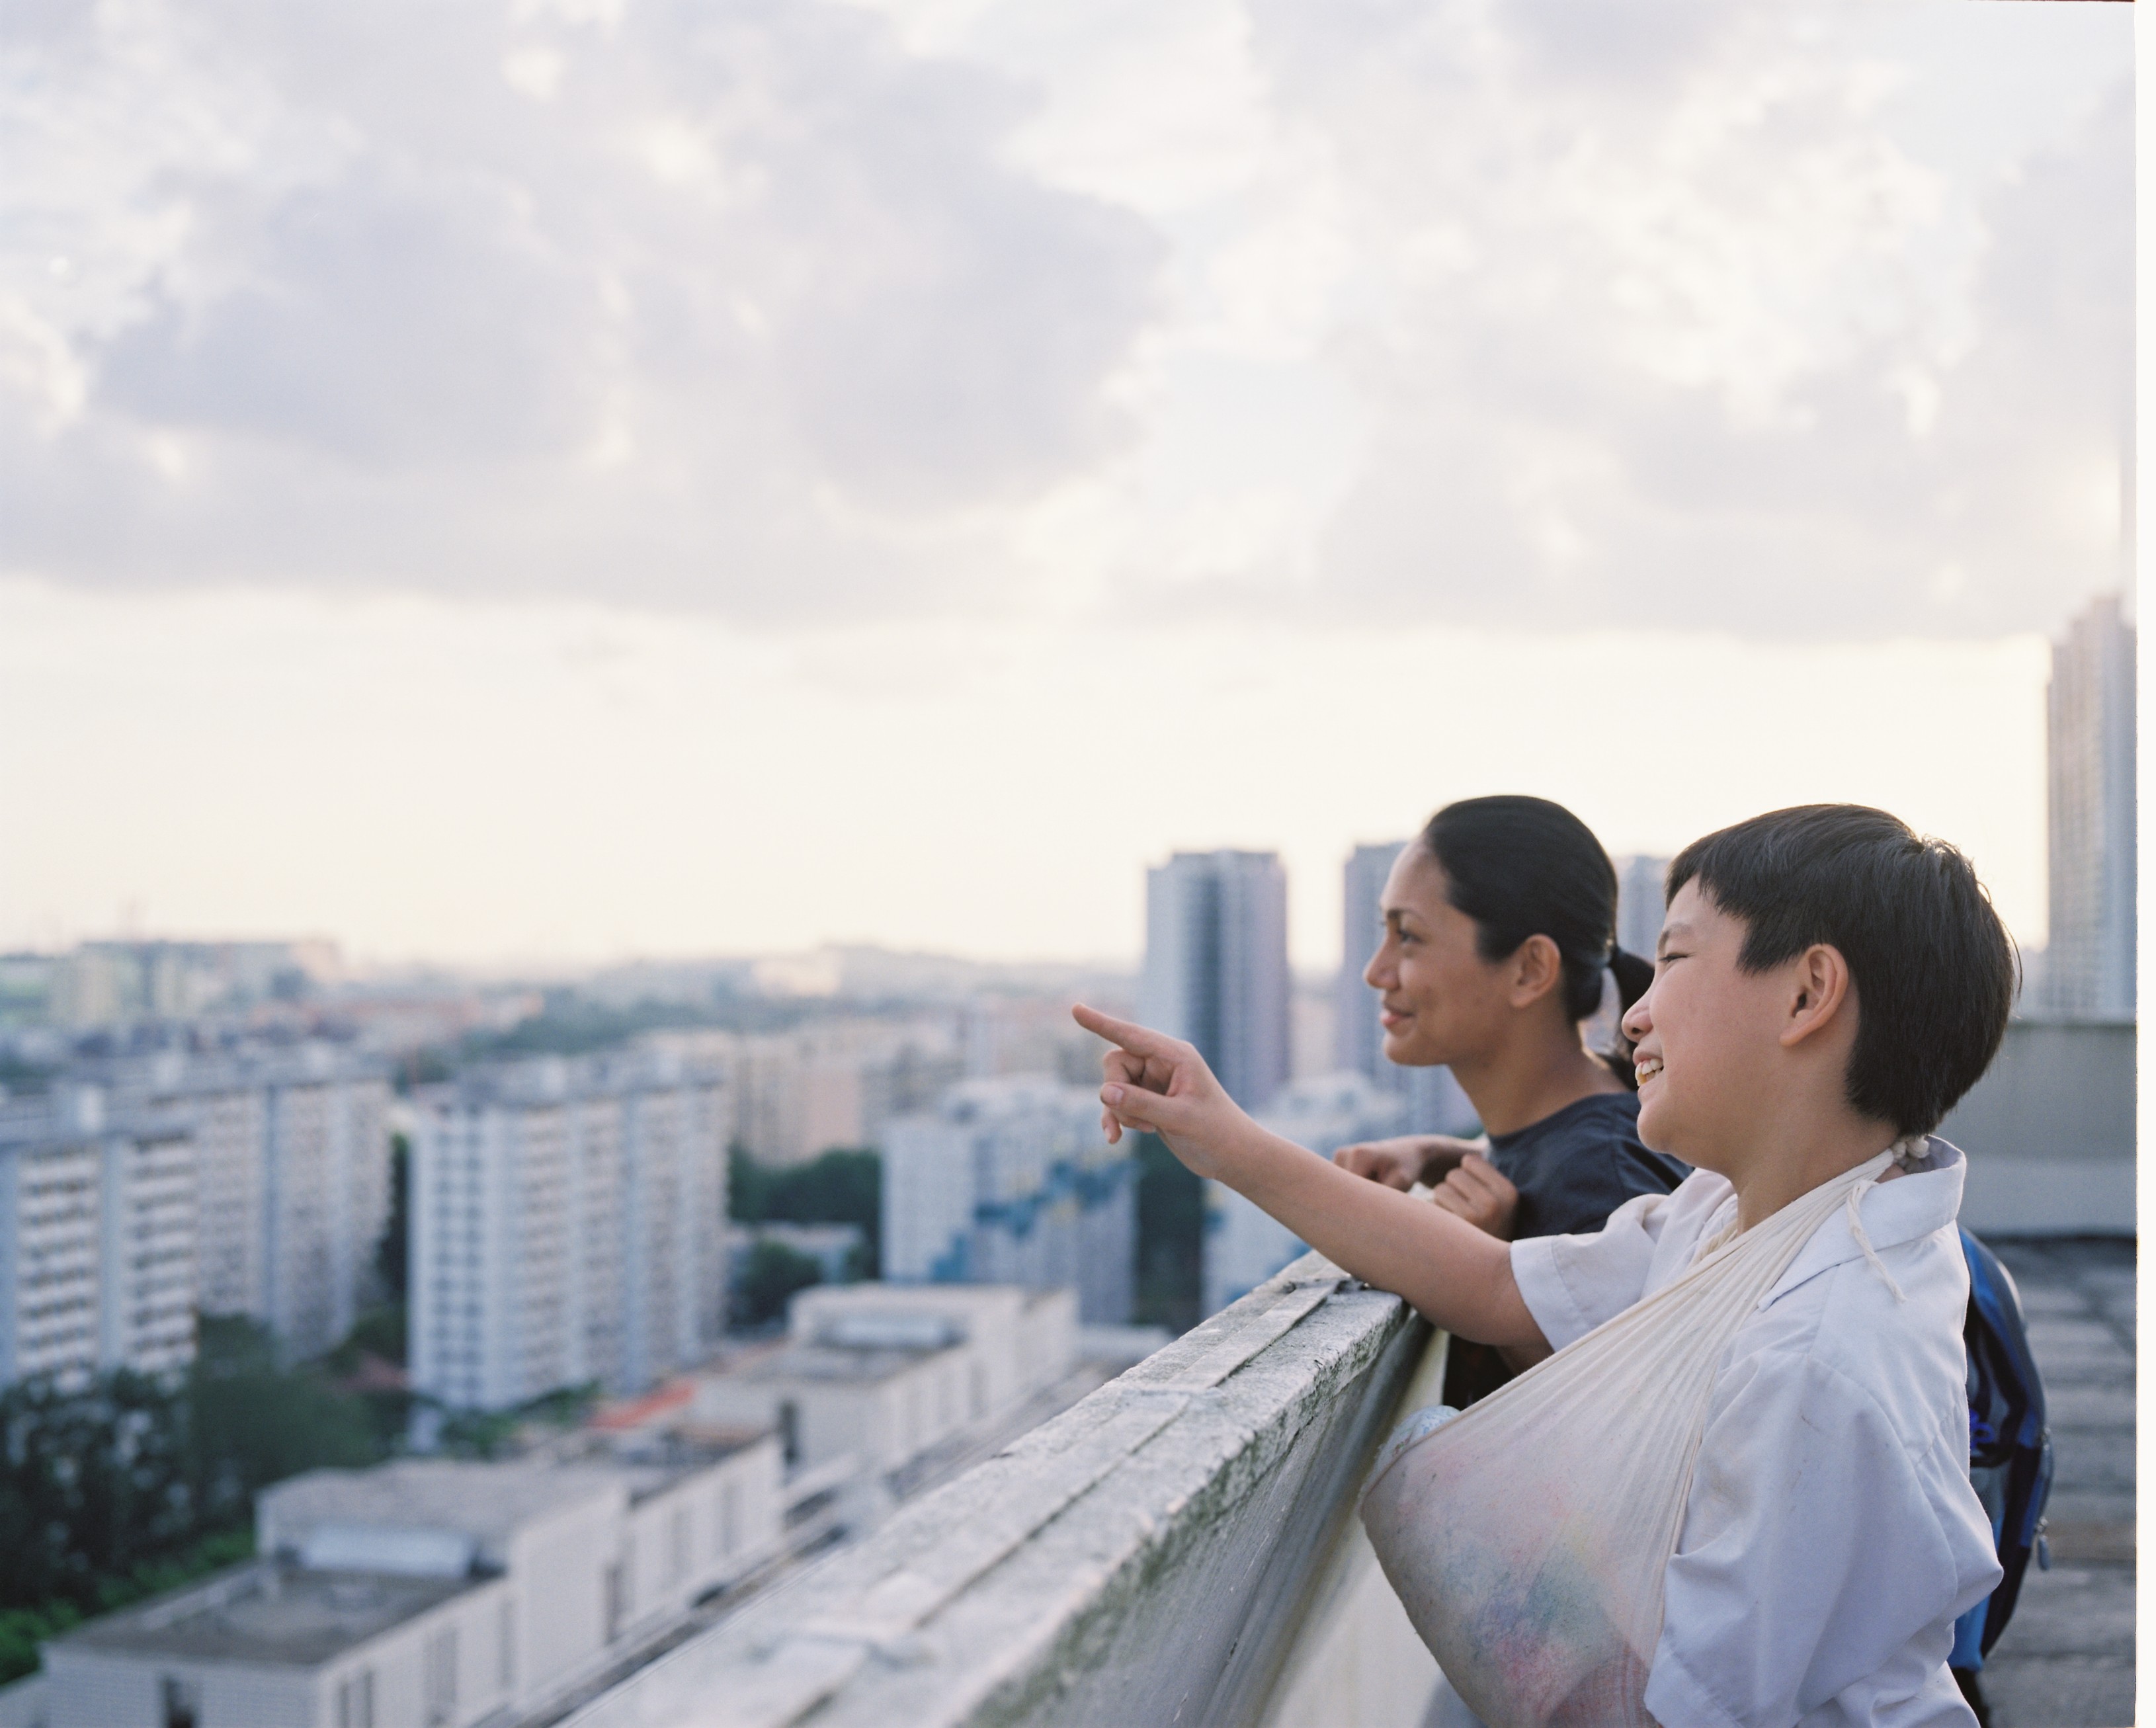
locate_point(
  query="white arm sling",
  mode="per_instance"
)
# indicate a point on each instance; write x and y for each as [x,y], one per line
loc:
[1528,1536]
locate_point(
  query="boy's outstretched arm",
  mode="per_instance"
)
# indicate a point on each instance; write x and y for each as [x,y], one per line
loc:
[1458,1276]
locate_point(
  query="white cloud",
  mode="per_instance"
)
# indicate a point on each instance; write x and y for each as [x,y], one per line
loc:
[1728,317]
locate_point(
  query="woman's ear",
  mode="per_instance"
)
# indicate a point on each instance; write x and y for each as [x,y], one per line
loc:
[1538,969]
[1819,985]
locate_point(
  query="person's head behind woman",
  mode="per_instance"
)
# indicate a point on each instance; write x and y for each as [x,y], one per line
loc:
[1500,915]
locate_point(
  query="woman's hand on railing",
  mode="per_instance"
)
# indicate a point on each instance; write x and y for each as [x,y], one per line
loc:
[1154,1084]
[1405,1159]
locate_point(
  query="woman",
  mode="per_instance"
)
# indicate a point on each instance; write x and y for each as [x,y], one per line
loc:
[1499,924]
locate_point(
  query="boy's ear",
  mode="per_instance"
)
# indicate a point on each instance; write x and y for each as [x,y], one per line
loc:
[1818,985]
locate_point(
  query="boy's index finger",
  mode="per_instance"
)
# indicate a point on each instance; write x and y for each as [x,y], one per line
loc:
[1141,1040]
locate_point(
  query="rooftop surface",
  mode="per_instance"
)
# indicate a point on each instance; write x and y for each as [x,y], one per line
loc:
[837,1363]
[2067,1659]
[487,1502]
[269,1612]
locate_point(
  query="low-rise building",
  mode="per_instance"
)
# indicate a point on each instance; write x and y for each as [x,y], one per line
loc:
[881,1373]
[432,1593]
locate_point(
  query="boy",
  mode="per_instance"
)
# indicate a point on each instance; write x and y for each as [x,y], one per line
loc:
[1826,985]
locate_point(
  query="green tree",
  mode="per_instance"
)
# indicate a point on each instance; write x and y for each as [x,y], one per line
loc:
[252,1423]
[93,1483]
[393,1254]
[844,1186]
[132,1484]
[774,1272]
[1171,1206]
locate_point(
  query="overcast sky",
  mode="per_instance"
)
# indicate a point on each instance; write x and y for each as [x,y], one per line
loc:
[649,476]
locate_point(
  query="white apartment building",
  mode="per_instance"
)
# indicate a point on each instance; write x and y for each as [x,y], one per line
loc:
[291,1161]
[881,1374]
[1010,1180]
[568,1223]
[1216,970]
[1243,1246]
[2089,969]
[97,1239]
[432,1594]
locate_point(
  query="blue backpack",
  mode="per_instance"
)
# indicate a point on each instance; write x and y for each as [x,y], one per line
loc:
[2010,1445]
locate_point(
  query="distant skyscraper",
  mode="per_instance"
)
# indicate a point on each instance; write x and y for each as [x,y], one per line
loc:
[1640,905]
[2089,970]
[1010,1180]
[1216,968]
[1433,1102]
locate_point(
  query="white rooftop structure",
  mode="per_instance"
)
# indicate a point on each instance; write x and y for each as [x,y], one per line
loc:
[433,1591]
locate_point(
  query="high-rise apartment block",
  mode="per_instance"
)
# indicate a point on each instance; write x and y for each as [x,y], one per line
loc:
[1433,1102]
[292,1153]
[2089,969]
[1216,970]
[1010,1181]
[568,1227]
[97,1239]
[134,1194]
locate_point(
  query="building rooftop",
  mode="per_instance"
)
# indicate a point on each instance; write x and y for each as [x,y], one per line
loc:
[271,1612]
[836,1362]
[488,1502]
[542,1080]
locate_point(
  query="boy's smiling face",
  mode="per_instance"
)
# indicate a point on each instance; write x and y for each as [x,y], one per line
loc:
[1706,1036]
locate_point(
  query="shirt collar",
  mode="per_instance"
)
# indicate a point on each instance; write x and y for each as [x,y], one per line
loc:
[1903,1210]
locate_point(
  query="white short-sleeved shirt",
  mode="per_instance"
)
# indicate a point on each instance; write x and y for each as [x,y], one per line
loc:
[1831,1536]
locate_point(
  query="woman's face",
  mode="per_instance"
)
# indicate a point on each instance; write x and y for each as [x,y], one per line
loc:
[1441,1000]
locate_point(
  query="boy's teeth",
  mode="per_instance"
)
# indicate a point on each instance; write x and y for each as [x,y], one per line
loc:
[1648,1070]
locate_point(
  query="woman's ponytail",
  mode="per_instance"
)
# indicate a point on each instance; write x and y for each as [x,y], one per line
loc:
[1521,867]
[1634,975]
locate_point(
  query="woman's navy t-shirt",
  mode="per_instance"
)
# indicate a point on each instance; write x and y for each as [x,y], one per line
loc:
[1573,1168]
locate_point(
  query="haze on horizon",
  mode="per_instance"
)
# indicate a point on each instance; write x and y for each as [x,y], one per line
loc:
[563,482]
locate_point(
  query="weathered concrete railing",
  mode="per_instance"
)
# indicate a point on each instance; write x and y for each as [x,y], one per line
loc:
[1178,1548]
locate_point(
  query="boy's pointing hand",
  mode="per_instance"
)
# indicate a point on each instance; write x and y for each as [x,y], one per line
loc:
[1154,1083]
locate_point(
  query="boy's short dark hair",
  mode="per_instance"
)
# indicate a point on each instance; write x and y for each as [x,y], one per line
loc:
[1934,969]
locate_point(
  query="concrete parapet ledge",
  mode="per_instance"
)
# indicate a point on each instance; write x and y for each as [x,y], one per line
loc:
[1145,1556]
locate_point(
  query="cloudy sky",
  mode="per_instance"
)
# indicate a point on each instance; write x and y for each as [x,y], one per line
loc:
[527,480]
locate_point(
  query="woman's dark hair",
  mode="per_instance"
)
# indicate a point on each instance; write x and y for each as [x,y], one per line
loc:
[1524,867]
[1934,969]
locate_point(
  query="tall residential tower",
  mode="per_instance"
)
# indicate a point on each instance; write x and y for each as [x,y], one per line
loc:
[1216,968]
[2089,970]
